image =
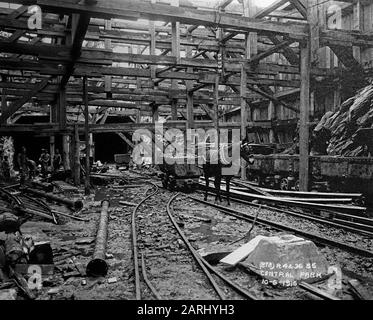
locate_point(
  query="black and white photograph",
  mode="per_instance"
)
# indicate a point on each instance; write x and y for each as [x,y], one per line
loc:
[188,157]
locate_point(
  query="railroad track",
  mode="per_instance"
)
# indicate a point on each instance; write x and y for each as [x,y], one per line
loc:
[282,227]
[209,272]
[348,222]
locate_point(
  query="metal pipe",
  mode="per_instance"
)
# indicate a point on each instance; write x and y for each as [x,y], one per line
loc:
[98,267]
[77,204]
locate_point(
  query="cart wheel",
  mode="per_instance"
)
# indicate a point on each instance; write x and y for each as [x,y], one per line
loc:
[296,185]
[259,180]
[284,185]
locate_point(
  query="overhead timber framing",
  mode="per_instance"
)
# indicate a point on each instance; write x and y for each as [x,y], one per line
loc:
[170,59]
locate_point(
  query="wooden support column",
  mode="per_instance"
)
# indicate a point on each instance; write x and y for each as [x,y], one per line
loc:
[216,106]
[138,84]
[4,104]
[108,46]
[66,152]
[190,98]
[249,10]
[76,156]
[271,117]
[243,94]
[52,148]
[305,68]
[61,104]
[152,44]
[87,138]
[175,53]
[358,24]
[313,20]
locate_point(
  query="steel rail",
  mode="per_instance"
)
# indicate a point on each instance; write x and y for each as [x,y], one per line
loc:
[134,241]
[346,225]
[321,240]
[146,279]
[192,250]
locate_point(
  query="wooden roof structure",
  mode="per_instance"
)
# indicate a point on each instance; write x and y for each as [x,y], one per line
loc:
[163,57]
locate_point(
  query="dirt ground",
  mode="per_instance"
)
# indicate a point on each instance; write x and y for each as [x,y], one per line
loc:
[169,265]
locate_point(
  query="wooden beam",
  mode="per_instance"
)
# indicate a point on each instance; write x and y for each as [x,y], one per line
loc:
[266,11]
[271,51]
[300,7]
[126,140]
[87,139]
[243,93]
[121,9]
[272,98]
[18,104]
[304,164]
[80,23]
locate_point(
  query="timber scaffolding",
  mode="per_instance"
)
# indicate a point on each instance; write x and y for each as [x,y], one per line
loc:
[95,58]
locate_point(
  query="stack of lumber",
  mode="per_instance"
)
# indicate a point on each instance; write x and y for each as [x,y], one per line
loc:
[342,126]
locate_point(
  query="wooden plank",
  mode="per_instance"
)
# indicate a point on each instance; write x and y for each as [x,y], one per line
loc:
[126,140]
[242,252]
[300,7]
[266,11]
[317,292]
[18,104]
[276,48]
[243,93]
[120,9]
[87,184]
[313,20]
[358,290]
[176,53]
[304,164]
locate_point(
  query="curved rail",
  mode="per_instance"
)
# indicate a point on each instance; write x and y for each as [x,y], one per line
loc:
[134,241]
[192,250]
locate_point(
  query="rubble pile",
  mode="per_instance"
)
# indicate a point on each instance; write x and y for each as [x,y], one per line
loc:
[339,130]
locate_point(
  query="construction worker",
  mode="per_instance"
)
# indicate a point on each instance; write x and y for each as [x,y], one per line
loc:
[44,161]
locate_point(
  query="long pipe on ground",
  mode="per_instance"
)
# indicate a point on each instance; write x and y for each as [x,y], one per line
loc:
[77,204]
[98,267]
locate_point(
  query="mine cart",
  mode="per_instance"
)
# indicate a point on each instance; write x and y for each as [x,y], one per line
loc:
[180,174]
[340,174]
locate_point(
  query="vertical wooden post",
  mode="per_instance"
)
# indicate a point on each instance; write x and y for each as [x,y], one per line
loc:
[175,53]
[271,116]
[87,137]
[216,107]
[190,99]
[61,112]
[4,105]
[108,45]
[76,156]
[305,67]
[243,94]
[249,10]
[358,24]
[52,148]
[313,20]
[152,43]
[138,83]
[66,152]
